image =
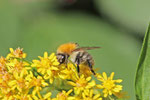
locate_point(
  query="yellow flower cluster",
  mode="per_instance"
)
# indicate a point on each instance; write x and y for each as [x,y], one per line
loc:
[17,81]
[46,79]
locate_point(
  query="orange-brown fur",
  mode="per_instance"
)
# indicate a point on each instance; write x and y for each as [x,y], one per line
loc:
[67,48]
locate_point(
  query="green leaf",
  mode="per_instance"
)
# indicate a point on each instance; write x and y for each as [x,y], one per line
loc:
[142,82]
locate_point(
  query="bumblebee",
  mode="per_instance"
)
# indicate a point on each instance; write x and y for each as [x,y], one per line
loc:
[77,55]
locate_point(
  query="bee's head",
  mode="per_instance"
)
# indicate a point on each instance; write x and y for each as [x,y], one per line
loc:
[64,51]
[62,58]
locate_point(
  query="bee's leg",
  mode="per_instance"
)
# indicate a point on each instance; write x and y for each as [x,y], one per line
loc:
[78,69]
[90,65]
[78,63]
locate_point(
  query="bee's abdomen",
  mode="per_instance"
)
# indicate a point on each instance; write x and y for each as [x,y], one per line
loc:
[84,57]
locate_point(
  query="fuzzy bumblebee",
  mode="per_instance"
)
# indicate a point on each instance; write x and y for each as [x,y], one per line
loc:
[77,55]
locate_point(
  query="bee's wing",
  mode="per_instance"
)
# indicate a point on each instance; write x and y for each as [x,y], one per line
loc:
[86,48]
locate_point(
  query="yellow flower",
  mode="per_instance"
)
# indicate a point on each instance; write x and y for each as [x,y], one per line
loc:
[8,96]
[18,82]
[47,96]
[64,96]
[16,65]
[82,84]
[5,77]
[91,96]
[18,53]
[108,84]
[23,97]
[69,72]
[2,64]
[4,88]
[85,70]
[47,66]
[36,83]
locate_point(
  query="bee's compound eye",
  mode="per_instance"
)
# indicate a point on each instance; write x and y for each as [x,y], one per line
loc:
[61,58]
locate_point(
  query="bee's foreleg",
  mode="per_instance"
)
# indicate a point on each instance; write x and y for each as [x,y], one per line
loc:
[90,65]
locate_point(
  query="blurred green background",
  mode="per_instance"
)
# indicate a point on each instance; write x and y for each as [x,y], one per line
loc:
[42,25]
